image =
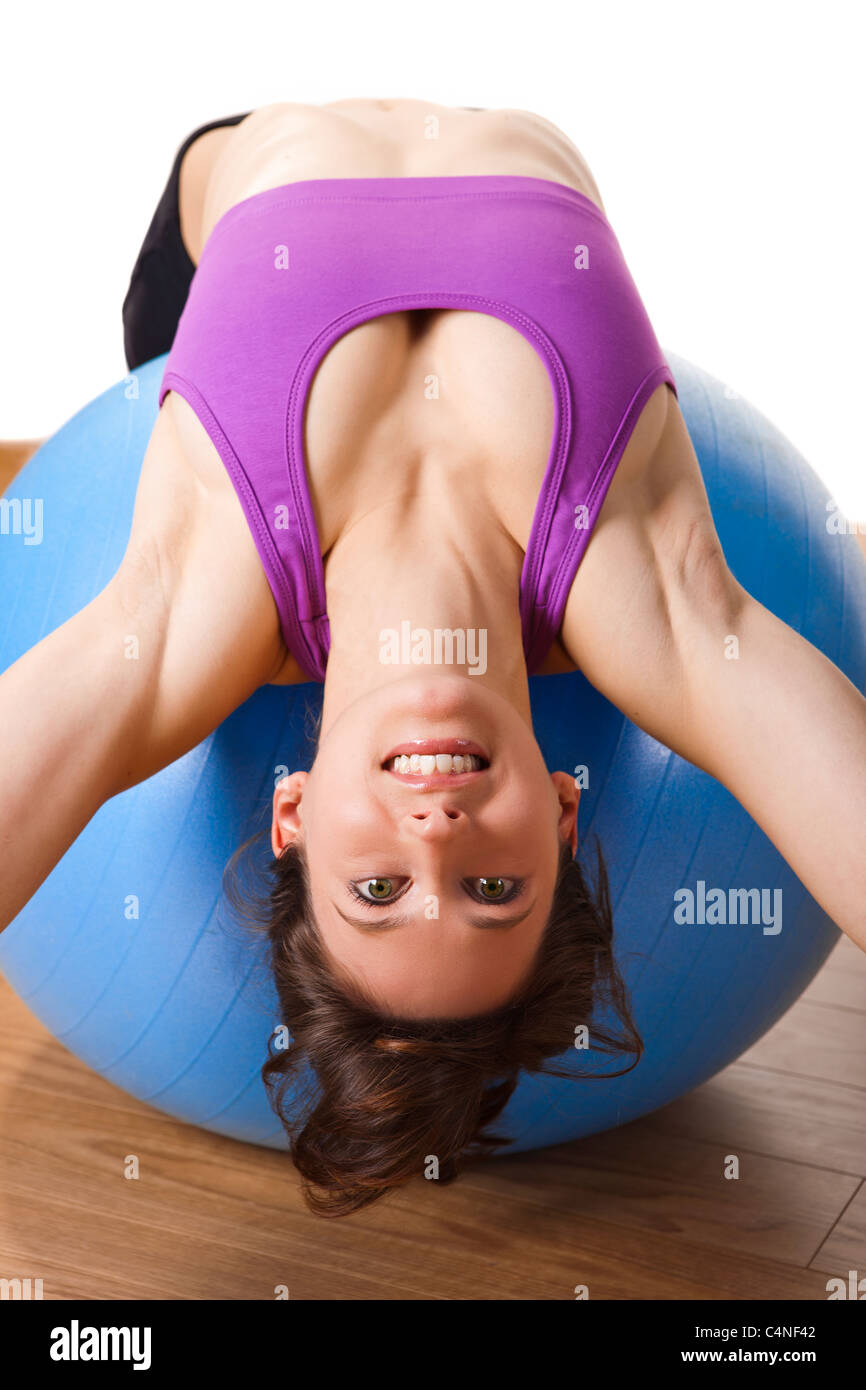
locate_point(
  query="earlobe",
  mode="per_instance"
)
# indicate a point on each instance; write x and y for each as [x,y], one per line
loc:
[286,824]
[569,799]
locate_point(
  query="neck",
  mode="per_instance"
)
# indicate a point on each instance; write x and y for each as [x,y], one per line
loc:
[409,570]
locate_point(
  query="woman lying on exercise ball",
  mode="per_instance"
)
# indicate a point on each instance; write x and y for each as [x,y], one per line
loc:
[417,439]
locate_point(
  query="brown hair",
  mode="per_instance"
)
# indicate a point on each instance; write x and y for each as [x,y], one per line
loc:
[393,1094]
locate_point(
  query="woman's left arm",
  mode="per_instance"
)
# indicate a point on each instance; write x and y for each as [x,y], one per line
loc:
[650,621]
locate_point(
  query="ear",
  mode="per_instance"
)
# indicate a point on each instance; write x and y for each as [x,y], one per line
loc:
[286,824]
[569,797]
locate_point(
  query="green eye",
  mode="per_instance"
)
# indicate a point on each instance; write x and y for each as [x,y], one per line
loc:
[387,890]
[376,890]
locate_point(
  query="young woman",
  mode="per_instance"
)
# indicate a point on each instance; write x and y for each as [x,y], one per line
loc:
[416,440]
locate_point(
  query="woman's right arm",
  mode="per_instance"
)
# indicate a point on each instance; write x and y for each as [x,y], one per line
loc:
[73,710]
[183,634]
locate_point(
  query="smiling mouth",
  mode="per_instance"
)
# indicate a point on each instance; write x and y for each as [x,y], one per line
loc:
[436,762]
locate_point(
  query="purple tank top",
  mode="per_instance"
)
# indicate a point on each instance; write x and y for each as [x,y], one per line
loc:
[287,272]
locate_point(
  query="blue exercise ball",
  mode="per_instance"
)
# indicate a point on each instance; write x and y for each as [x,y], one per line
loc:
[128,952]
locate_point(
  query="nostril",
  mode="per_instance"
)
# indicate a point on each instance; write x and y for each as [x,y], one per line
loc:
[452,815]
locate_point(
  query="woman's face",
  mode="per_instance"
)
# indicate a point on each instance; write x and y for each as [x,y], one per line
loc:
[431,890]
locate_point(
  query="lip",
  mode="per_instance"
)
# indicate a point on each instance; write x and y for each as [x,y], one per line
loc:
[436,781]
[439,745]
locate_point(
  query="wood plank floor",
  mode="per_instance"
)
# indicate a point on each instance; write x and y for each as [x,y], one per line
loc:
[641,1212]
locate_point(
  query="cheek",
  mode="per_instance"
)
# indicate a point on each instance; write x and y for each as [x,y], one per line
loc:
[531,818]
[338,810]
[533,803]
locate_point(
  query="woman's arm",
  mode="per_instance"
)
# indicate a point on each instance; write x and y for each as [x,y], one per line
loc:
[184,633]
[73,714]
[649,621]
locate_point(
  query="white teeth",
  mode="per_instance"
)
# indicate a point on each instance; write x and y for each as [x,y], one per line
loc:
[439,763]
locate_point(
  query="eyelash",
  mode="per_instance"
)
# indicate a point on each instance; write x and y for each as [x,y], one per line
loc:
[514,893]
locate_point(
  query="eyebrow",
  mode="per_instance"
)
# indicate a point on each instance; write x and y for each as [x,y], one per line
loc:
[402,919]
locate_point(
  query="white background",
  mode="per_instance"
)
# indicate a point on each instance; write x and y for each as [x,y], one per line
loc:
[727,141]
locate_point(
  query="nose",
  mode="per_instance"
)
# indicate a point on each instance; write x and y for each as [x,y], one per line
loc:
[435,824]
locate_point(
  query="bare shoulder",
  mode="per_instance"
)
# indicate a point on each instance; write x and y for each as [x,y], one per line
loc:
[654,572]
[182,478]
[189,525]
[657,498]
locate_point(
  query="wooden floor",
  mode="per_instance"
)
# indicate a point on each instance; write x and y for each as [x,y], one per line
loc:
[641,1212]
